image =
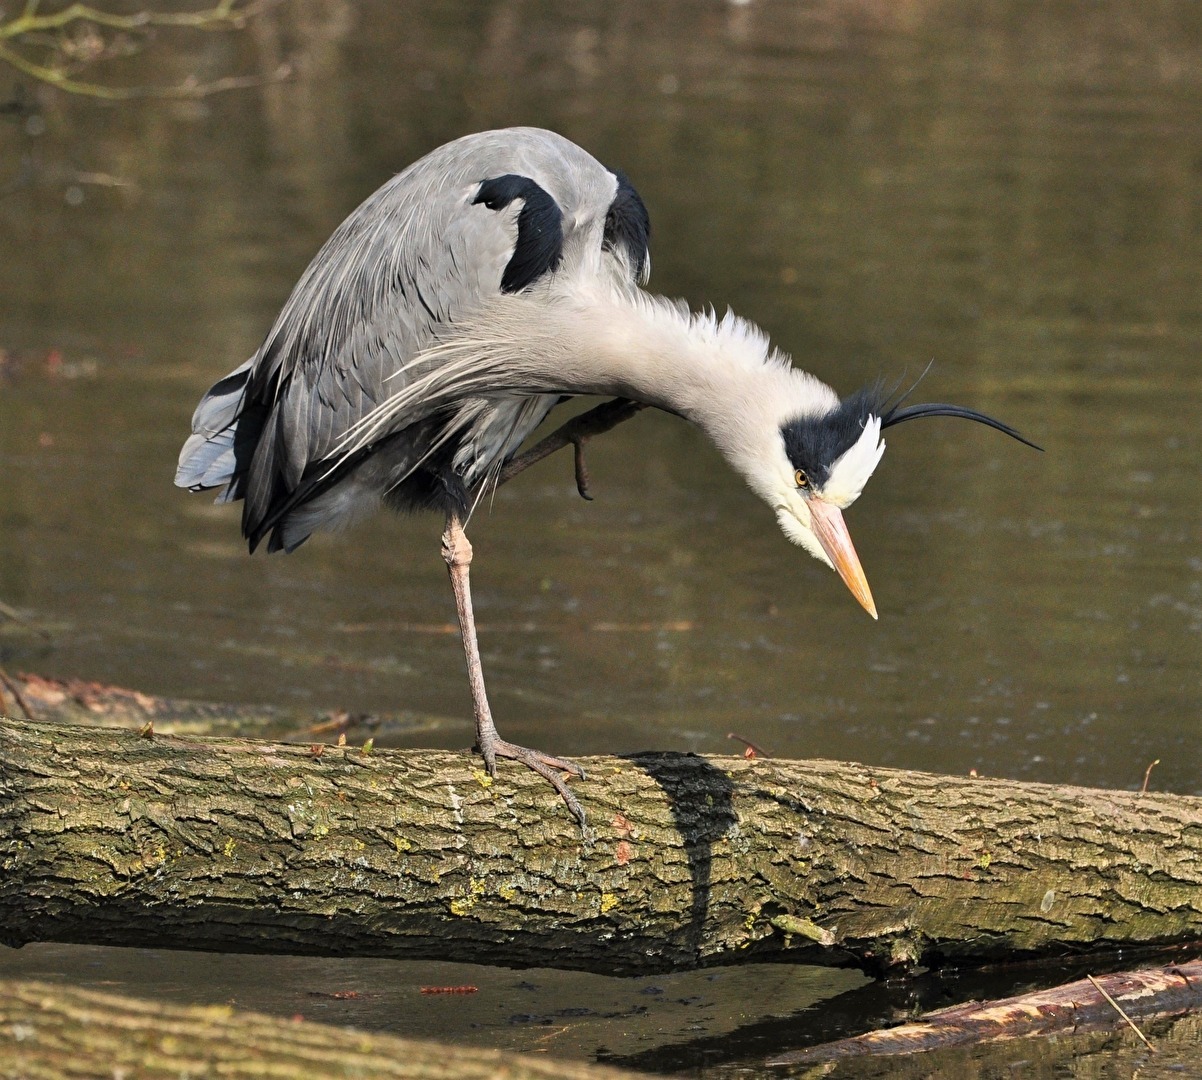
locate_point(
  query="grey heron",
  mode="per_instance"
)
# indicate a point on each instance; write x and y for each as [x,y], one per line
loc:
[444,319]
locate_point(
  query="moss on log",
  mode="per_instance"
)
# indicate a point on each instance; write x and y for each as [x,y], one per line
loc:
[55,1032]
[112,838]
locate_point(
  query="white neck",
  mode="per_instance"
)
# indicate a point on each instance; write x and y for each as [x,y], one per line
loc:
[721,374]
[598,338]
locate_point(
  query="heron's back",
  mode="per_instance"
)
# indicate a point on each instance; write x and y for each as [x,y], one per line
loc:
[490,214]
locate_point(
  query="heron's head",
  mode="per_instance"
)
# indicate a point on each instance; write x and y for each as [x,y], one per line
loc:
[828,457]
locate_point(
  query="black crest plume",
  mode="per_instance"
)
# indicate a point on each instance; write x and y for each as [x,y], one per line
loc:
[896,415]
[893,413]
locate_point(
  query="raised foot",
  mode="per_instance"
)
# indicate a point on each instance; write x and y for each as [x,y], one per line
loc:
[548,767]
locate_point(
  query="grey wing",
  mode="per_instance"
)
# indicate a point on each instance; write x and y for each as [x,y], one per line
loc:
[414,257]
[402,268]
[208,458]
[487,215]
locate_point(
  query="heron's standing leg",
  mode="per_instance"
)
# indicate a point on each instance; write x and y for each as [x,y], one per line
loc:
[457,551]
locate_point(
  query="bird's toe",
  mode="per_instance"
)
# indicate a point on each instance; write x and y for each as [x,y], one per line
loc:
[550,768]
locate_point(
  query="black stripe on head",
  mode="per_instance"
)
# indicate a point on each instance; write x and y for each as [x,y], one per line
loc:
[628,226]
[814,443]
[539,247]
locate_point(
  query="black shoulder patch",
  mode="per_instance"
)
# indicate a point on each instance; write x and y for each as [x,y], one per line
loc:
[628,225]
[814,443]
[539,247]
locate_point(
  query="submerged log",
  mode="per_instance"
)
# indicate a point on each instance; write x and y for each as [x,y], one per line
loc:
[48,1032]
[1085,1005]
[117,838]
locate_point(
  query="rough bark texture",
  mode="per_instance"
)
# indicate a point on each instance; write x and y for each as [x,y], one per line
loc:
[113,838]
[59,1033]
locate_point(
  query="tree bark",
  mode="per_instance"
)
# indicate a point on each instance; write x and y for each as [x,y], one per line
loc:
[115,838]
[51,1032]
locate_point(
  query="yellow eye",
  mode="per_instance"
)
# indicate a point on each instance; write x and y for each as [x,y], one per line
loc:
[800,479]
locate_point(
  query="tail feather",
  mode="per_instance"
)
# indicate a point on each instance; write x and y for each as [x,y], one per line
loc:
[206,461]
[210,457]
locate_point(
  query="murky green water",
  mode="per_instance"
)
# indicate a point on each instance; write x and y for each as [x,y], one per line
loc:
[1011,189]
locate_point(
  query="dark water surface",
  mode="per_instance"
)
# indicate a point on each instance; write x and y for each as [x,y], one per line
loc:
[1011,189]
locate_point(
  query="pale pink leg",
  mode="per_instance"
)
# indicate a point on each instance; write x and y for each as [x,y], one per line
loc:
[457,551]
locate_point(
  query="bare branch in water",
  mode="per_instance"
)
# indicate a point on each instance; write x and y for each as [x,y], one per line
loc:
[107,36]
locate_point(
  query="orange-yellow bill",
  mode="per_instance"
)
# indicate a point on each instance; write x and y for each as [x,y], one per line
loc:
[836,542]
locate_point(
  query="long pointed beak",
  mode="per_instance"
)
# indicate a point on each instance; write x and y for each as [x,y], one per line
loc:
[836,542]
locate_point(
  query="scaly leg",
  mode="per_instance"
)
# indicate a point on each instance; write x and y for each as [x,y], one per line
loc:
[575,433]
[457,551]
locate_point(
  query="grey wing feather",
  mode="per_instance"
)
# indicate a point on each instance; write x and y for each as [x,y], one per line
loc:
[207,458]
[395,276]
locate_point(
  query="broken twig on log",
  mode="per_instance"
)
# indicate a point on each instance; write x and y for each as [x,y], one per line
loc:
[7,682]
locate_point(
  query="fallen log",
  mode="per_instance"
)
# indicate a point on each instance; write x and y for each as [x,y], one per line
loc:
[49,1032]
[81,701]
[96,704]
[118,838]
[1090,1004]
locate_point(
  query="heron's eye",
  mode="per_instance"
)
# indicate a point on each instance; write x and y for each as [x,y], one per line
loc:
[800,479]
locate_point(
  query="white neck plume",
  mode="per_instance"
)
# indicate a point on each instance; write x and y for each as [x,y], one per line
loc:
[721,374]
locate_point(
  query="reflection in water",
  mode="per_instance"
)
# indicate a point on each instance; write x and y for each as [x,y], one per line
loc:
[566,1014]
[1014,191]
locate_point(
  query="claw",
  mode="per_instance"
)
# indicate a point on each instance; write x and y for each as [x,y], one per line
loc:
[548,767]
[581,469]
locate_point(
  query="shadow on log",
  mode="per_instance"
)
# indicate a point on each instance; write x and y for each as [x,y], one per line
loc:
[115,838]
[48,1032]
